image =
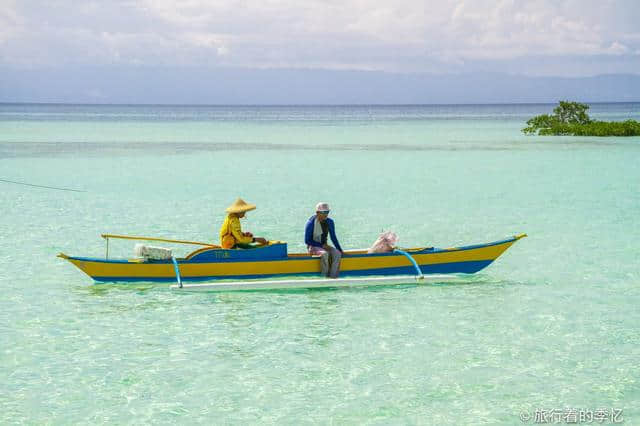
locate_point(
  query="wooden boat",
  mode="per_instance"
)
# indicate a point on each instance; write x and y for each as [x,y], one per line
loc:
[263,267]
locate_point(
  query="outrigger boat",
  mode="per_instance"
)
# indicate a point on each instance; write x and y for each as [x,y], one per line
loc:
[263,267]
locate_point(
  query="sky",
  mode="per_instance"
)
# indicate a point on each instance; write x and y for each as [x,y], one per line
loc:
[530,39]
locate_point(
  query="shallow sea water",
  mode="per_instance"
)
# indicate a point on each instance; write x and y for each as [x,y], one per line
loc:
[552,324]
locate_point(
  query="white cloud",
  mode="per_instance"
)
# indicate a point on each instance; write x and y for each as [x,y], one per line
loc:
[404,35]
[10,22]
[617,48]
[451,31]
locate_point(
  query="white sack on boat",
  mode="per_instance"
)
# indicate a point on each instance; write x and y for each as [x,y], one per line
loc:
[152,252]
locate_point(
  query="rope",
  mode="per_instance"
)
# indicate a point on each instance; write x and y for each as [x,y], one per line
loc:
[41,186]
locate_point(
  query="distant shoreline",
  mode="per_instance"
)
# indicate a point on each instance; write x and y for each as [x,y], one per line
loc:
[302,105]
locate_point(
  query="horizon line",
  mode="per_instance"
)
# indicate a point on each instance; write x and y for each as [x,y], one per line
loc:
[309,105]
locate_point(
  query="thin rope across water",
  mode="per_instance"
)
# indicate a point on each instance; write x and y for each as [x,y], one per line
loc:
[41,186]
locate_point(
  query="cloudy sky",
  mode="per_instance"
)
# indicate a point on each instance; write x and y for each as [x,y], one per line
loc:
[578,37]
[572,38]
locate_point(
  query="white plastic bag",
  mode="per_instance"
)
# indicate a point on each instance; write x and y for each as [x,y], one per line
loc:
[385,243]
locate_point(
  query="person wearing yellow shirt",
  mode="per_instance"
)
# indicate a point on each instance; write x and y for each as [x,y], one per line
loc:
[231,235]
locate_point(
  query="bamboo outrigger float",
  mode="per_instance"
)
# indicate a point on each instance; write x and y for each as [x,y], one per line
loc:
[263,267]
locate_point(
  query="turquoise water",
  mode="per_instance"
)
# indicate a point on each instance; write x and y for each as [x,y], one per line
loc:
[552,324]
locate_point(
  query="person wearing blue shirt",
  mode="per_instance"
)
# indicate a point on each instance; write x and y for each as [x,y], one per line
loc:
[318,228]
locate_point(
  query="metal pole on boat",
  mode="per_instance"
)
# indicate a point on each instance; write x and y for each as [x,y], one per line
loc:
[419,274]
[107,255]
[175,267]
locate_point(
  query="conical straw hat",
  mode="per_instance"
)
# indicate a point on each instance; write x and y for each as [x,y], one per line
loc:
[240,206]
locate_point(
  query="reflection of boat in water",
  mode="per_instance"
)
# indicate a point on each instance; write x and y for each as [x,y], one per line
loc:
[272,261]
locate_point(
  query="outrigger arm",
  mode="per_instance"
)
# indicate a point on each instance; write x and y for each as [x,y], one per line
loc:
[419,275]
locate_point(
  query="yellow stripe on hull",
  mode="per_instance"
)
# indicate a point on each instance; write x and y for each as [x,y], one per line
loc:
[291,266]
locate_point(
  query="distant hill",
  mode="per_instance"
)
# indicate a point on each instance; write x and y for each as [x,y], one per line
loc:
[301,86]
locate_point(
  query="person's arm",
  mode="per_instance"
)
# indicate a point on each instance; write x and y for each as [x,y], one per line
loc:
[308,235]
[332,233]
[236,230]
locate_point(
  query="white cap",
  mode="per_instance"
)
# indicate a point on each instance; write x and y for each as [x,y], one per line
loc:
[322,207]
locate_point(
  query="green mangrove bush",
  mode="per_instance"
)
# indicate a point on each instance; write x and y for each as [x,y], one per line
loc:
[571,119]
